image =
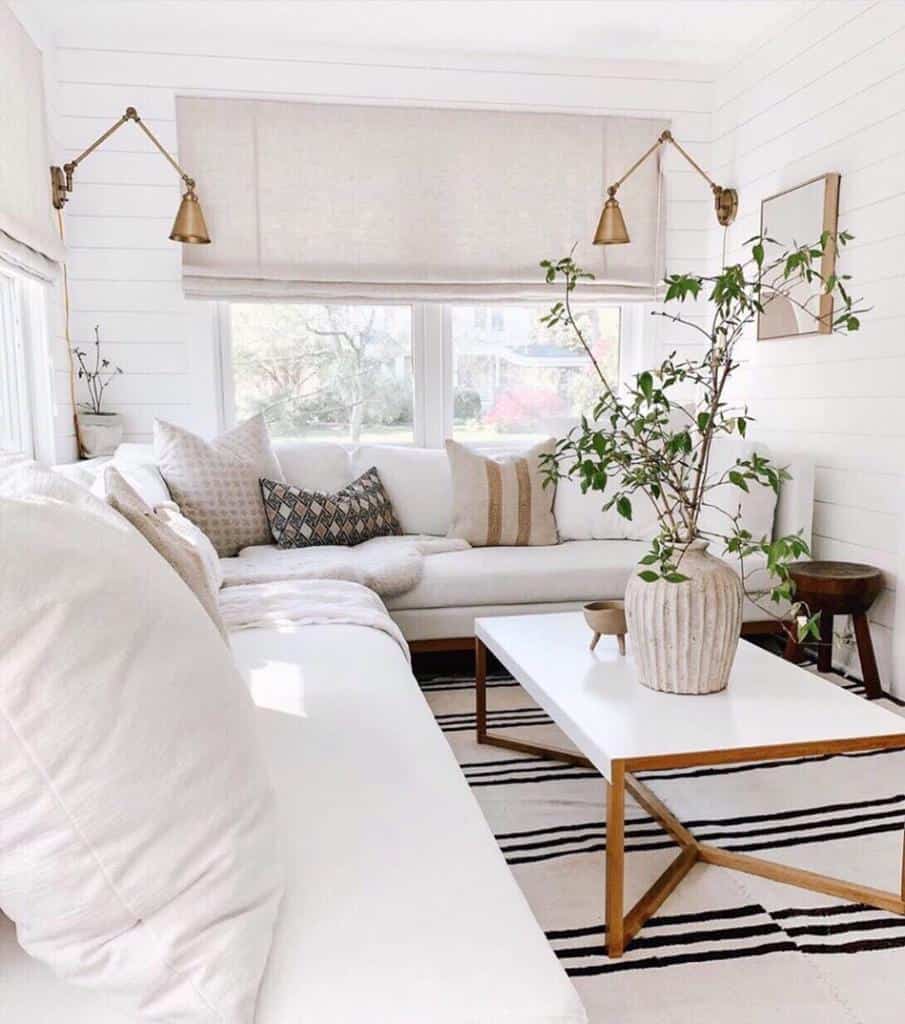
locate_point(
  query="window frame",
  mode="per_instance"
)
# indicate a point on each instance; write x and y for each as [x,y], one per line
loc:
[433,364]
[23,320]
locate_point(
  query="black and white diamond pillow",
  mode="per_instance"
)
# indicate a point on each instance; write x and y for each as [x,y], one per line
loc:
[358,512]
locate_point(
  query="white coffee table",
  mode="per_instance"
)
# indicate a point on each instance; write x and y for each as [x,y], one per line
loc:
[771,709]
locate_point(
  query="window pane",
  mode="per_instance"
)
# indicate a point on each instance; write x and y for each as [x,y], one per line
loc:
[514,379]
[14,434]
[341,373]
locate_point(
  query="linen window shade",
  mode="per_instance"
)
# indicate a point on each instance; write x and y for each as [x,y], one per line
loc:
[333,202]
[28,239]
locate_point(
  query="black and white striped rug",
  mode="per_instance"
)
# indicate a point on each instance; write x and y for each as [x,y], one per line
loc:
[724,946]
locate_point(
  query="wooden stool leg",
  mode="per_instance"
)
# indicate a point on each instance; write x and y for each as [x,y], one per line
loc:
[869,672]
[825,648]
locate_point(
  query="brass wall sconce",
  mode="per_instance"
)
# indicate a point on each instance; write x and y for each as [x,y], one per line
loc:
[611,229]
[188,227]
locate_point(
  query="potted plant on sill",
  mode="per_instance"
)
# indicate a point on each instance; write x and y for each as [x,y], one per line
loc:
[683,605]
[100,432]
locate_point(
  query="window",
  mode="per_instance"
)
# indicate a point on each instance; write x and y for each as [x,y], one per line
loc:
[416,374]
[21,302]
[526,381]
[339,373]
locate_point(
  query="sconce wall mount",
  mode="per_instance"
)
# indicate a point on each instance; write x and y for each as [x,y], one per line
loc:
[611,229]
[188,227]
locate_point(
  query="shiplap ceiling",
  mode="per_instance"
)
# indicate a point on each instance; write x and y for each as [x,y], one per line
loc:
[692,31]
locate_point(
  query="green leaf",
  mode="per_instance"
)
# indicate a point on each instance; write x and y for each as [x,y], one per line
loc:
[648,576]
[675,577]
[646,384]
[742,425]
[624,507]
[737,478]
[758,253]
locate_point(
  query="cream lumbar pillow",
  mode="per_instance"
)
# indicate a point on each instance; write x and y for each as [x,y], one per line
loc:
[215,483]
[501,501]
[173,537]
[138,847]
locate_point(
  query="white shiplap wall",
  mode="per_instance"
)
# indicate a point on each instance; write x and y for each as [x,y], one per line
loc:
[125,274]
[827,93]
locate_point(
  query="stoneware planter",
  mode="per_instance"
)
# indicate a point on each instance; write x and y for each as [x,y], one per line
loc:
[684,635]
[101,433]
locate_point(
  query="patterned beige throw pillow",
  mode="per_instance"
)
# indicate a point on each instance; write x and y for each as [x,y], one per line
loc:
[215,483]
[172,540]
[501,501]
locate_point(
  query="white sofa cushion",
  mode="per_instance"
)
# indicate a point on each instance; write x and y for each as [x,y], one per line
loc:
[138,842]
[575,571]
[143,477]
[757,505]
[399,908]
[315,465]
[216,483]
[418,481]
[581,516]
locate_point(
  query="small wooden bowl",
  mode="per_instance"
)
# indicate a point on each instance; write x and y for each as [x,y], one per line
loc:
[606,618]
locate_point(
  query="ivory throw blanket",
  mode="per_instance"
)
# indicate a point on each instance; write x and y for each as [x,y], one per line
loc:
[306,603]
[387,565]
[266,586]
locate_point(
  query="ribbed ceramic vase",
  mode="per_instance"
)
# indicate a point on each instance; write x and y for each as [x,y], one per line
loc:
[684,635]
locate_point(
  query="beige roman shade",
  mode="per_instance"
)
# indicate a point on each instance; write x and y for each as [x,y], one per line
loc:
[337,202]
[28,238]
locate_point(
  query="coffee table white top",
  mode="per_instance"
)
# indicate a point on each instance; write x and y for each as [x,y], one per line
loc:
[596,699]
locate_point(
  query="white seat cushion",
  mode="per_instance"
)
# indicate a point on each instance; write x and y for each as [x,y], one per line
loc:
[399,907]
[581,570]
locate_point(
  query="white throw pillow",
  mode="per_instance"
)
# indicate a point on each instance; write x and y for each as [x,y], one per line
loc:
[757,505]
[143,477]
[581,516]
[418,482]
[217,483]
[315,465]
[138,849]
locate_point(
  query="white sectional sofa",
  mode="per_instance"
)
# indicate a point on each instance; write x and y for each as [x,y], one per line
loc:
[593,562]
[399,907]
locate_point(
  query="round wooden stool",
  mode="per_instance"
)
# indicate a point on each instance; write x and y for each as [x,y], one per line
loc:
[839,588]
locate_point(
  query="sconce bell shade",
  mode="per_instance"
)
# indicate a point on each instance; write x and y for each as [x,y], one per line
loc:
[189,224]
[611,229]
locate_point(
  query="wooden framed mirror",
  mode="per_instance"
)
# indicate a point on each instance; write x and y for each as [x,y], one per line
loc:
[799,216]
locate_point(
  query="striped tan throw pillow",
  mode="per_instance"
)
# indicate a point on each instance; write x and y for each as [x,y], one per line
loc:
[501,501]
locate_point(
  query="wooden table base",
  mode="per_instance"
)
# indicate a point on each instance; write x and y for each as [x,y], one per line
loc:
[621,928]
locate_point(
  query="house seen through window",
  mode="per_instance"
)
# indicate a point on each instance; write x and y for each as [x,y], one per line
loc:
[355,373]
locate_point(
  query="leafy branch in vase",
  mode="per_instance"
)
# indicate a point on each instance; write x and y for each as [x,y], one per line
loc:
[644,439]
[98,377]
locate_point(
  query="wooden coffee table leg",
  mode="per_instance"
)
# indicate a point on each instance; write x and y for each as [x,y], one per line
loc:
[615,861]
[825,649]
[869,672]
[480,689]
